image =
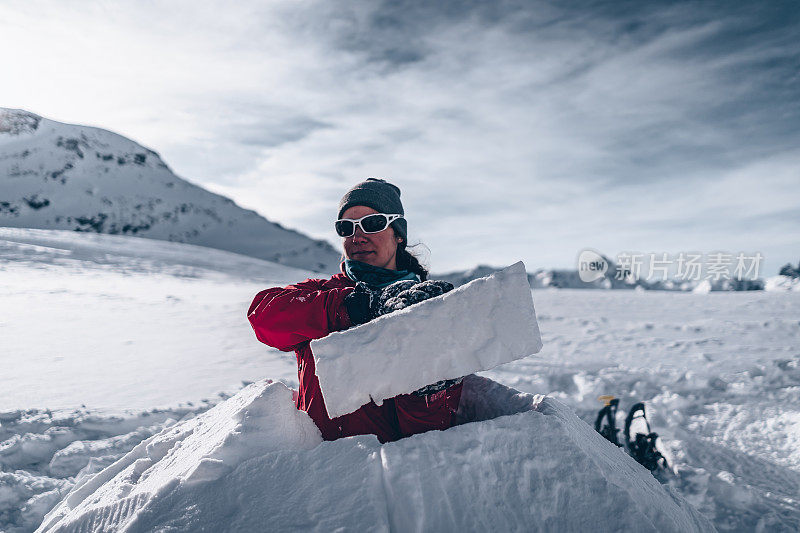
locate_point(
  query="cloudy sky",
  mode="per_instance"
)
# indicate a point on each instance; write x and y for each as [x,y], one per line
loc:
[516,130]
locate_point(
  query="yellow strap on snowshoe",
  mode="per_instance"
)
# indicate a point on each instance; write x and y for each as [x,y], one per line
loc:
[606,399]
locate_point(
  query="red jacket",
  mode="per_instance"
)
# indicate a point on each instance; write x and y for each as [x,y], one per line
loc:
[289,318]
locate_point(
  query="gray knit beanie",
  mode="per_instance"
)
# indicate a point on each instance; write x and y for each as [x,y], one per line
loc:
[381,196]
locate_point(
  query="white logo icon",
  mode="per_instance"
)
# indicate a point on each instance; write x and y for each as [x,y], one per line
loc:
[591,265]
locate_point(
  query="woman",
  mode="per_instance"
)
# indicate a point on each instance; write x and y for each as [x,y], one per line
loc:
[374,232]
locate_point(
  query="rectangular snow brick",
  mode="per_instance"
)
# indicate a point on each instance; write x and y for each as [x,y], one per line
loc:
[485,323]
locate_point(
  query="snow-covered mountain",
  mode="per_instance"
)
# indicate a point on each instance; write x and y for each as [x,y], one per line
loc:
[64,176]
[552,278]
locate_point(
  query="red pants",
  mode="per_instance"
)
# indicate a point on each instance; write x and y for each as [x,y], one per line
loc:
[401,416]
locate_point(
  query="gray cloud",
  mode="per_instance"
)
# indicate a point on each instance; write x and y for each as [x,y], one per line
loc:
[615,125]
[273,132]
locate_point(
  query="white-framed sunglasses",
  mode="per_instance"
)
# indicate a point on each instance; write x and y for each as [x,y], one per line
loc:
[373,223]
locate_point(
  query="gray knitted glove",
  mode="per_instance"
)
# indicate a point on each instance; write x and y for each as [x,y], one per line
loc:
[404,293]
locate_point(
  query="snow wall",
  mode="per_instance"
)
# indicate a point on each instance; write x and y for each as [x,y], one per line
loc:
[516,463]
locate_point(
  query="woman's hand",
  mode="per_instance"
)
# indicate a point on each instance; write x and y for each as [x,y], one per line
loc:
[404,293]
[362,304]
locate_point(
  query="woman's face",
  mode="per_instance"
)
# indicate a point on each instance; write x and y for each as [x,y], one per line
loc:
[377,249]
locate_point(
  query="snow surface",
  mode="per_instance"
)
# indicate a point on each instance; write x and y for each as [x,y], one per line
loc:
[43,454]
[65,176]
[125,323]
[256,460]
[720,373]
[480,325]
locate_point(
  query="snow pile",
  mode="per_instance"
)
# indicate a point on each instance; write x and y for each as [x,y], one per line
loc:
[782,283]
[488,322]
[260,419]
[65,176]
[255,461]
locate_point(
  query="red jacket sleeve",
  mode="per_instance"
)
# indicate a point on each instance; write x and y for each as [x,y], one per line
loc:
[285,317]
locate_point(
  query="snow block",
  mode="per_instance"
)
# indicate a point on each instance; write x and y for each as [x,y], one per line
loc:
[485,323]
[518,463]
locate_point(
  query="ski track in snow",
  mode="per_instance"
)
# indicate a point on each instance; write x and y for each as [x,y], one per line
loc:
[93,341]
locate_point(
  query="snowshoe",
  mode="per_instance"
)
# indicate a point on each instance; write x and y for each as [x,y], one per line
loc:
[605,424]
[642,443]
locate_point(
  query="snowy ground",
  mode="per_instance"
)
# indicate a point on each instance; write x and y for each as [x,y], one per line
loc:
[108,339]
[113,322]
[720,374]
